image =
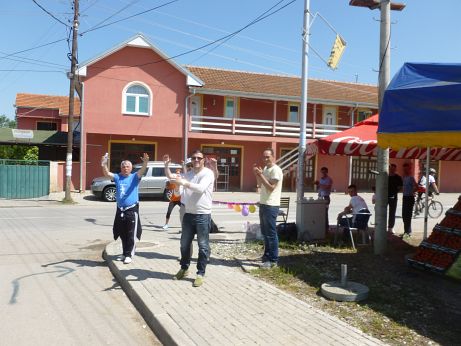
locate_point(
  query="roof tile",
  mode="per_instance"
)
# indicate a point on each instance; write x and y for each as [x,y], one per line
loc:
[47,102]
[288,86]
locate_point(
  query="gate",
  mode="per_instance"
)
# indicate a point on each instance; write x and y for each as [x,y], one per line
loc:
[24,179]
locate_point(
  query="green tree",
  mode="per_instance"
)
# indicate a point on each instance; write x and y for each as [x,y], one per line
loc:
[7,122]
[18,152]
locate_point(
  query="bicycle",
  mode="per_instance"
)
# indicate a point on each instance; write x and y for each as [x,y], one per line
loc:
[434,210]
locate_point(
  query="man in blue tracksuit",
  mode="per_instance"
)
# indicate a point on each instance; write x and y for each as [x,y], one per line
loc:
[127,224]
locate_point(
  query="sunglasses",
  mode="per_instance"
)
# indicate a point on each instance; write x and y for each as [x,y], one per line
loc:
[196,158]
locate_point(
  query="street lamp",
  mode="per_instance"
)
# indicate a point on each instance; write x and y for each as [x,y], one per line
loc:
[380,239]
[374,4]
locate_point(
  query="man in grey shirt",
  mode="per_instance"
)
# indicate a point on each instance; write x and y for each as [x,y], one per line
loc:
[197,199]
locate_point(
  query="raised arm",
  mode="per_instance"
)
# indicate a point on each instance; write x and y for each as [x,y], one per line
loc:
[145,160]
[166,161]
[105,170]
[212,164]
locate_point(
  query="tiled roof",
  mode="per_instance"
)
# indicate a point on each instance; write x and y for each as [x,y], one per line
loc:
[47,102]
[288,86]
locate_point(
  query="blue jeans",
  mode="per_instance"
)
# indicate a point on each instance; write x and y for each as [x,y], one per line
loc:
[192,224]
[267,217]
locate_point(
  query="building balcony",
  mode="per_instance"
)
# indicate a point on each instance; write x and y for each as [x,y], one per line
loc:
[257,127]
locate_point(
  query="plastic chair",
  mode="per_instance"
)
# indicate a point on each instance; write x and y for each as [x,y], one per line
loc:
[358,223]
[284,209]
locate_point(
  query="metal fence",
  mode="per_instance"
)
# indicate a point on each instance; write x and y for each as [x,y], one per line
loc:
[24,179]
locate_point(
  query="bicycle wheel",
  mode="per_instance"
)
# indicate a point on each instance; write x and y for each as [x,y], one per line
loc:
[417,209]
[435,209]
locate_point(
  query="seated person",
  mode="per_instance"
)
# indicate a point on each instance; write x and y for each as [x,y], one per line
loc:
[357,205]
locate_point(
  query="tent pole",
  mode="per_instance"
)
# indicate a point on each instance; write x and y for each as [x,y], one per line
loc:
[426,203]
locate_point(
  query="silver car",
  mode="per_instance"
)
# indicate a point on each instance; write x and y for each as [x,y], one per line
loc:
[153,183]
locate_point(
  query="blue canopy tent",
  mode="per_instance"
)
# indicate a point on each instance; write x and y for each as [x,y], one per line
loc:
[422,108]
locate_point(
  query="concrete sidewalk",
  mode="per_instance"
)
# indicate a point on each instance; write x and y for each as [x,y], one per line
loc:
[231,308]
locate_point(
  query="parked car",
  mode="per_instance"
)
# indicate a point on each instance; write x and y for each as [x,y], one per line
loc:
[153,183]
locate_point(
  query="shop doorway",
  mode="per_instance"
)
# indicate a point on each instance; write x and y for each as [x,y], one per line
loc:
[229,165]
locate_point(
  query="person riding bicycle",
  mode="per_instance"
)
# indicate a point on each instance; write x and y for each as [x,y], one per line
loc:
[433,188]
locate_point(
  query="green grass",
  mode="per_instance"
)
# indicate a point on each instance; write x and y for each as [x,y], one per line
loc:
[404,306]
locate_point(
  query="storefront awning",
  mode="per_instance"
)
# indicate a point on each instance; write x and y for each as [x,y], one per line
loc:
[32,137]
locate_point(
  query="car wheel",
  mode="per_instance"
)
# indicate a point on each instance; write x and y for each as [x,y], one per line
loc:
[109,194]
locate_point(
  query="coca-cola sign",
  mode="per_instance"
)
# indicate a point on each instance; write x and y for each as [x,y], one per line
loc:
[352,146]
[355,146]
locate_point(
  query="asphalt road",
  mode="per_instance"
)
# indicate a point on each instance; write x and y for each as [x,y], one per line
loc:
[55,287]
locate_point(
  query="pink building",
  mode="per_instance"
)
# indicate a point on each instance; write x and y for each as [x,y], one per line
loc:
[135,99]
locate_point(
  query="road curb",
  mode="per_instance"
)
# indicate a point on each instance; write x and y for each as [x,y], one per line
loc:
[160,322]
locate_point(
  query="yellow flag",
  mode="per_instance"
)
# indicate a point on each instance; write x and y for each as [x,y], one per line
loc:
[336,52]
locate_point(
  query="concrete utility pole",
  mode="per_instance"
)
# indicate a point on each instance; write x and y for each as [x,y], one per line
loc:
[302,132]
[380,243]
[70,122]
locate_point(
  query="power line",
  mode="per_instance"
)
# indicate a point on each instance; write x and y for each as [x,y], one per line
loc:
[30,60]
[129,17]
[262,17]
[235,33]
[32,71]
[36,47]
[112,15]
[49,13]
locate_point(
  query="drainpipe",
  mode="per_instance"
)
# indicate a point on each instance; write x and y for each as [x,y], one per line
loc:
[82,142]
[186,122]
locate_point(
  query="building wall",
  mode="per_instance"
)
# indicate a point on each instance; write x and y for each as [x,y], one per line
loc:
[338,170]
[27,118]
[448,176]
[104,85]
[58,182]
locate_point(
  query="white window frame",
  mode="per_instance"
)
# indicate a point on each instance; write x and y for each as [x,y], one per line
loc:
[235,107]
[149,100]
[292,104]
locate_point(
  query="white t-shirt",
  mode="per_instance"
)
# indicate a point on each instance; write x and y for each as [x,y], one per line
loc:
[357,203]
[422,181]
[197,198]
[268,197]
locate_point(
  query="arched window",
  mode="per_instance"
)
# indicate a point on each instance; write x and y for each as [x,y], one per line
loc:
[137,99]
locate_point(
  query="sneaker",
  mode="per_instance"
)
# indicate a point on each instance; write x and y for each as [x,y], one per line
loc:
[268,265]
[406,235]
[165,227]
[198,281]
[181,274]
[127,260]
[391,230]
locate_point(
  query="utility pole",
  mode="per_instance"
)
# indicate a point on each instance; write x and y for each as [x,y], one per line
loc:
[380,243]
[385,6]
[70,122]
[302,132]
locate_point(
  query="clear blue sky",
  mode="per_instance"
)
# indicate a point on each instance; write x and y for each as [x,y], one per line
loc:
[426,31]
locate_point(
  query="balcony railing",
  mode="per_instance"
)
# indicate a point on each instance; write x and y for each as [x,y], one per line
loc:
[256,127]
